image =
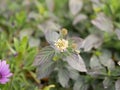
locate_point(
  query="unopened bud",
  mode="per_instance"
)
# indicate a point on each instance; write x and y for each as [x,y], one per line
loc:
[74,46]
[64,31]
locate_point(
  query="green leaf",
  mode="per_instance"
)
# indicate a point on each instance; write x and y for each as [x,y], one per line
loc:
[11,49]
[51,36]
[45,69]
[107,82]
[79,18]
[49,25]
[103,23]
[27,32]
[50,5]
[117,85]
[106,59]
[95,63]
[117,31]
[93,40]
[80,84]
[97,5]
[74,74]
[76,62]
[23,44]
[63,77]
[114,4]
[46,54]
[96,67]
[34,42]
[75,6]
[30,56]
[16,44]
[20,17]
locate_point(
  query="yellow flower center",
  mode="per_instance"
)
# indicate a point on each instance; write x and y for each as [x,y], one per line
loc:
[61,44]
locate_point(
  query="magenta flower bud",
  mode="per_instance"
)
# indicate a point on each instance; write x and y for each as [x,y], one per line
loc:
[5,73]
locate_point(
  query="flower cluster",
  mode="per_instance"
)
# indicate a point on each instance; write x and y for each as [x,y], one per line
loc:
[61,44]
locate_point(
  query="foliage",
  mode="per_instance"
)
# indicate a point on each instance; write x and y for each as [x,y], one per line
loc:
[88,58]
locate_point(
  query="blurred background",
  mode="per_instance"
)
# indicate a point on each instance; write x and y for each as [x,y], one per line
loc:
[23,24]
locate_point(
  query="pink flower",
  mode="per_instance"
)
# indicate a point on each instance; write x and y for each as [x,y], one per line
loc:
[4,72]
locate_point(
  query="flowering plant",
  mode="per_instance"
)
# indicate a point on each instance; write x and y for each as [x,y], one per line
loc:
[62,56]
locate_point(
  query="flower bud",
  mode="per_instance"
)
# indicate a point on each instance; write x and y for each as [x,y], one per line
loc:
[64,31]
[74,46]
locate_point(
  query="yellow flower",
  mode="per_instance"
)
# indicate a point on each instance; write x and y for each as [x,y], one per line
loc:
[61,44]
